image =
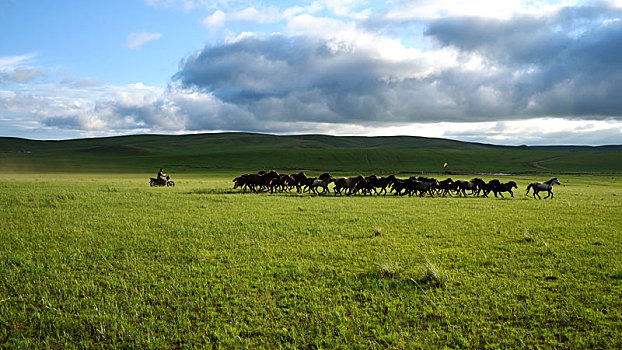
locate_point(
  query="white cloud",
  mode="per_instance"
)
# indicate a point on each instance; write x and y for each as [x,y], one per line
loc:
[17,69]
[104,110]
[404,10]
[12,62]
[137,40]
[265,15]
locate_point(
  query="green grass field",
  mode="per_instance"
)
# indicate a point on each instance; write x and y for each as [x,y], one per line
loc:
[237,153]
[103,260]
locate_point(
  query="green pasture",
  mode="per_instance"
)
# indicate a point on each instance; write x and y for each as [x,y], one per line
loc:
[235,152]
[102,260]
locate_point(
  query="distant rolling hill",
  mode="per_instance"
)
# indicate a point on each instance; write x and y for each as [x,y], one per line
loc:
[240,152]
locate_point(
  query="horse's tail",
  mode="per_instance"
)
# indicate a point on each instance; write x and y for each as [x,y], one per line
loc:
[528,187]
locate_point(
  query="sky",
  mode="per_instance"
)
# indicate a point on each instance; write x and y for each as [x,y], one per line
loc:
[507,72]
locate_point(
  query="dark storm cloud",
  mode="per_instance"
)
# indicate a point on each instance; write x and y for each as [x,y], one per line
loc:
[284,77]
[567,64]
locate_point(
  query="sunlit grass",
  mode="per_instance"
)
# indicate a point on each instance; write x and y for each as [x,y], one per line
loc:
[106,261]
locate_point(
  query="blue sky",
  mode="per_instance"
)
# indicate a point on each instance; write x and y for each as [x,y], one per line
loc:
[504,72]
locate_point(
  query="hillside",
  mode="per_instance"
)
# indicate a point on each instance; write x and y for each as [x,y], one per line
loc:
[247,152]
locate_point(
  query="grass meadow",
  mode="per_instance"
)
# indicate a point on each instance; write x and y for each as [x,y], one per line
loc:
[101,260]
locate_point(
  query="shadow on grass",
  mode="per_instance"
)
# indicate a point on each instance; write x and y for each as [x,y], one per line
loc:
[295,194]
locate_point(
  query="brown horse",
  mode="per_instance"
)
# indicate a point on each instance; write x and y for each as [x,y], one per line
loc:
[261,181]
[346,183]
[298,179]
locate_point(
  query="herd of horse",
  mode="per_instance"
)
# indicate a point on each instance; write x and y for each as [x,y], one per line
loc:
[420,186]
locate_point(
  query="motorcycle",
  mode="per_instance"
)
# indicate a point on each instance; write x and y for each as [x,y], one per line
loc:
[161,182]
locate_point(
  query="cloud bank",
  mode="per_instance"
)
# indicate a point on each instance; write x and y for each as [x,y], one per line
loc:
[567,64]
[507,74]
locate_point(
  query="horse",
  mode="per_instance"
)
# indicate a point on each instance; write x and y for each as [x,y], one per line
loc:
[446,186]
[346,183]
[488,187]
[261,179]
[481,185]
[323,181]
[433,183]
[505,187]
[287,182]
[391,181]
[281,183]
[464,185]
[543,186]
[364,185]
[240,181]
[298,179]
[305,184]
[399,185]
[379,182]
[413,186]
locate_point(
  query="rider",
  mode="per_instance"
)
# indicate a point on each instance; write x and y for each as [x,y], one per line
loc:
[161,175]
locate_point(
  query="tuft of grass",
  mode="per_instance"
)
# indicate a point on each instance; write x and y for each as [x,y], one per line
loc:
[389,269]
[527,237]
[378,231]
[432,275]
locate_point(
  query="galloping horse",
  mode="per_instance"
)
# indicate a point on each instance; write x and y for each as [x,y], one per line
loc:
[299,178]
[346,183]
[543,186]
[323,181]
[446,186]
[464,185]
[505,187]
[379,182]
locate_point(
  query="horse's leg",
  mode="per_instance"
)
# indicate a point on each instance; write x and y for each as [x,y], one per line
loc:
[501,194]
[549,195]
[511,193]
[536,194]
[324,189]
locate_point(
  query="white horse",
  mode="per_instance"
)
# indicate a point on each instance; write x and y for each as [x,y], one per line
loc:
[543,186]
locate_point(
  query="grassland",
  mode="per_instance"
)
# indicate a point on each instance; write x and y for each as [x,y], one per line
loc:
[92,257]
[252,152]
[103,260]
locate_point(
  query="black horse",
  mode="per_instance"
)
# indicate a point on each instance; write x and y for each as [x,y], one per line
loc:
[464,185]
[505,187]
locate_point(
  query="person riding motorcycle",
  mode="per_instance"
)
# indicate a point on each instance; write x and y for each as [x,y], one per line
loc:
[161,175]
[161,180]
